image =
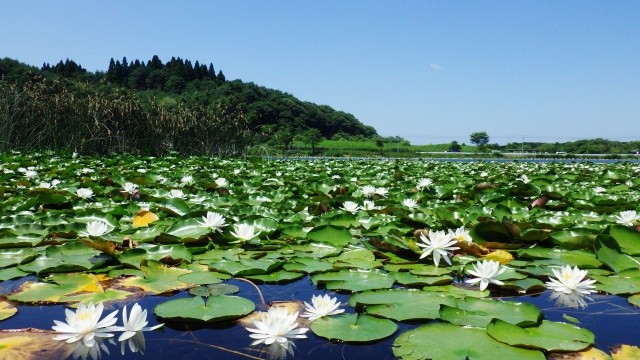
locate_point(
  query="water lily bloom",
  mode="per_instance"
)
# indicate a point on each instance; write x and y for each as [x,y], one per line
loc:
[321,306]
[599,190]
[44,185]
[368,190]
[30,173]
[423,183]
[524,178]
[222,182]
[276,325]
[176,193]
[213,220]
[244,231]
[568,280]
[135,322]
[350,206]
[85,324]
[410,203]
[461,234]
[130,187]
[485,272]
[84,193]
[187,180]
[368,205]
[96,228]
[381,191]
[627,217]
[439,243]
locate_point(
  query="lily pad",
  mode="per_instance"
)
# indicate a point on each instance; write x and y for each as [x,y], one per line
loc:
[216,309]
[354,280]
[548,336]
[353,328]
[480,312]
[444,341]
[400,304]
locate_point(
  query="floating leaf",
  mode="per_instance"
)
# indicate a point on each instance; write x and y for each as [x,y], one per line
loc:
[589,354]
[330,234]
[32,345]
[217,308]
[480,312]
[58,288]
[548,336]
[444,341]
[625,352]
[7,310]
[401,305]
[158,278]
[354,280]
[353,328]
[144,218]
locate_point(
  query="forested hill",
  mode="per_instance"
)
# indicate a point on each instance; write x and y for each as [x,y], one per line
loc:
[269,115]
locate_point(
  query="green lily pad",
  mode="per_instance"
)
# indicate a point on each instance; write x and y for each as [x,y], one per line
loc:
[200,278]
[158,278]
[331,235]
[480,312]
[400,304]
[214,290]
[354,280]
[548,336]
[353,328]
[216,309]
[444,341]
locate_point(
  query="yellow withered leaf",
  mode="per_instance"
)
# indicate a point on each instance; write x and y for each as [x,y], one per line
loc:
[501,256]
[625,352]
[591,354]
[32,344]
[144,218]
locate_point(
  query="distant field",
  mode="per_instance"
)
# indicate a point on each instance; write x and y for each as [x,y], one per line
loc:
[369,147]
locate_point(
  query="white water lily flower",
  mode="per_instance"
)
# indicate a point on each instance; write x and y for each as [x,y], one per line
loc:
[176,193]
[135,322]
[84,193]
[350,206]
[30,173]
[568,280]
[244,231]
[627,217]
[96,228]
[187,180]
[485,272]
[599,190]
[368,205]
[222,182]
[439,243]
[213,220]
[44,185]
[381,191]
[368,190]
[321,306]
[130,187]
[85,324]
[461,234]
[276,325]
[524,178]
[423,183]
[410,203]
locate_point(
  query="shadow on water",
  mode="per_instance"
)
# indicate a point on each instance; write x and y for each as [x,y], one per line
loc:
[610,318]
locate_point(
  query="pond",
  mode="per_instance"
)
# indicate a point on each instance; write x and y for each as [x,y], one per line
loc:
[407,247]
[611,318]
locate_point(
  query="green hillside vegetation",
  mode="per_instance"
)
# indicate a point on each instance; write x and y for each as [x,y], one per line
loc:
[154,108]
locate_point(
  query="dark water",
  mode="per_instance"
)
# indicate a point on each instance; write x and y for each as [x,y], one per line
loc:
[610,318]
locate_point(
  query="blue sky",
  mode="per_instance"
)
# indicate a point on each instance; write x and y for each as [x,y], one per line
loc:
[429,71]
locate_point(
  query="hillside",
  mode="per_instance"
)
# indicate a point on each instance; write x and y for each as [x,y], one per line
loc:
[154,107]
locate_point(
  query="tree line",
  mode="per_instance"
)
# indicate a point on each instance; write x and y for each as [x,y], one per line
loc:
[270,116]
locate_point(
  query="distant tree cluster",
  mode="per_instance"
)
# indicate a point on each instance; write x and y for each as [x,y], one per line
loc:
[274,117]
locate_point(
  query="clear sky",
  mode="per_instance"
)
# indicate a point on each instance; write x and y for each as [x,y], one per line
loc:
[429,71]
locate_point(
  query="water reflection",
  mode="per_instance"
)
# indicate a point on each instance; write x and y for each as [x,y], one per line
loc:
[136,343]
[279,351]
[573,300]
[84,352]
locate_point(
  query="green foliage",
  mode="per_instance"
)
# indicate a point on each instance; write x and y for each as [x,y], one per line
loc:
[479,138]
